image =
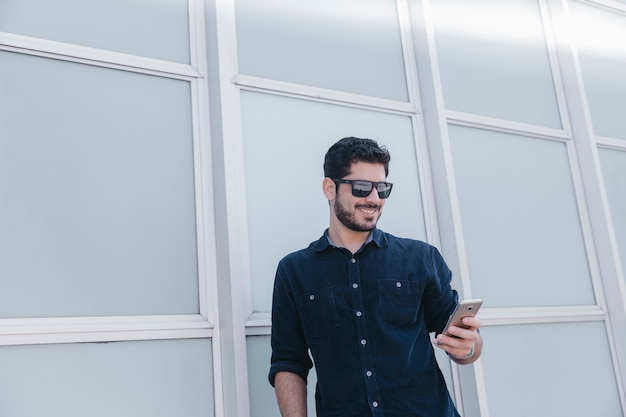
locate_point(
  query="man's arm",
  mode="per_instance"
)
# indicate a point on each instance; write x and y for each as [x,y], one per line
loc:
[465,342]
[291,394]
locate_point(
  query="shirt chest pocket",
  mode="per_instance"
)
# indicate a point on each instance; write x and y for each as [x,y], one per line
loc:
[399,301]
[319,313]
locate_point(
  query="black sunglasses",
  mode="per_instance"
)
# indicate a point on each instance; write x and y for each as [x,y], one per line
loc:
[362,188]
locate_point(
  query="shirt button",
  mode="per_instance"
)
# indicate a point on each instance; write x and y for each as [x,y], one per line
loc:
[359,314]
[363,342]
[311,297]
[353,260]
[375,404]
[368,373]
[355,285]
[398,284]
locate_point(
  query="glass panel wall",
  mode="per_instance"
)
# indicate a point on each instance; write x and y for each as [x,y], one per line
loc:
[521,201]
[97,212]
[614,172]
[99,184]
[517,216]
[351,46]
[494,60]
[110,25]
[520,220]
[129,379]
[600,36]
[529,371]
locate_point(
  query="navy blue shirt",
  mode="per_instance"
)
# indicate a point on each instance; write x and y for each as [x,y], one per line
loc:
[366,320]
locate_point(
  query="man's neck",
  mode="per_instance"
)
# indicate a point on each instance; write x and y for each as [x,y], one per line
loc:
[348,239]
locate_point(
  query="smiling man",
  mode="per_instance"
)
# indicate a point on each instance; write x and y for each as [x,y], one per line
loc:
[361,303]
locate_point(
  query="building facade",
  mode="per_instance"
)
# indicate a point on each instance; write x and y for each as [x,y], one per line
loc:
[157,159]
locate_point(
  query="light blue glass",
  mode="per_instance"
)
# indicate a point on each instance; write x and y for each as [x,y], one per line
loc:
[614,172]
[161,378]
[601,39]
[493,59]
[97,199]
[530,370]
[348,45]
[522,231]
[285,141]
[154,29]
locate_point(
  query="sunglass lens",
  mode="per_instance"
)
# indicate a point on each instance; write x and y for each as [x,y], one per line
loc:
[384,189]
[361,188]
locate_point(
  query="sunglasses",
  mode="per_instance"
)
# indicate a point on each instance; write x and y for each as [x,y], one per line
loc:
[362,188]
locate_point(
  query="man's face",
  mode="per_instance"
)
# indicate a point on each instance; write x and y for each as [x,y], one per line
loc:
[360,214]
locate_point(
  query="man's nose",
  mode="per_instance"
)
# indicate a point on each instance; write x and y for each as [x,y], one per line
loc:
[373,195]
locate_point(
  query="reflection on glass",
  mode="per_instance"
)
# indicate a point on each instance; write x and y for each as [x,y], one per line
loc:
[494,60]
[601,40]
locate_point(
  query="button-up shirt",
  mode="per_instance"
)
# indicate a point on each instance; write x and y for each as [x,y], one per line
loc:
[365,318]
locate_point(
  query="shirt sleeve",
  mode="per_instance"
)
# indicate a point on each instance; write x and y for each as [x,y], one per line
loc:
[289,348]
[439,297]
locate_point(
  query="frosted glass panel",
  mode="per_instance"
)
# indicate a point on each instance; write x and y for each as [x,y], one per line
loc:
[601,39]
[262,395]
[530,371]
[494,60]
[285,141]
[155,29]
[128,379]
[351,45]
[614,172]
[97,205]
[520,220]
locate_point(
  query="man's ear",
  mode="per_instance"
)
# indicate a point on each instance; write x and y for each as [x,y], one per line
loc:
[330,188]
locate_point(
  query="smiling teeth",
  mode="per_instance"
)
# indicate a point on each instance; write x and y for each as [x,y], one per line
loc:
[368,211]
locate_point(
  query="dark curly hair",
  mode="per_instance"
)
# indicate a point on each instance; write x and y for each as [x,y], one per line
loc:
[347,151]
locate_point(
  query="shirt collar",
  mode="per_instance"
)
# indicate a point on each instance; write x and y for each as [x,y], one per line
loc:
[376,236]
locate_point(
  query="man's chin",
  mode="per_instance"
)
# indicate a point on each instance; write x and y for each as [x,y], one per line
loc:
[363,227]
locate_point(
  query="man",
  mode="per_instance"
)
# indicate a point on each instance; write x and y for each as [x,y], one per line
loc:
[363,303]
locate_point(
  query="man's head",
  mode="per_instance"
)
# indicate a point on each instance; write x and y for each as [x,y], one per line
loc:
[355,183]
[347,151]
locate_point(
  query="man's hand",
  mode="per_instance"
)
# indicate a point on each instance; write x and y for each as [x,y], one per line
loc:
[462,345]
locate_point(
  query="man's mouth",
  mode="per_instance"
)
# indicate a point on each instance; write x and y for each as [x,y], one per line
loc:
[368,208]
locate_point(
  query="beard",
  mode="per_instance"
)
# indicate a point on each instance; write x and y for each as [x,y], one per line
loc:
[349,219]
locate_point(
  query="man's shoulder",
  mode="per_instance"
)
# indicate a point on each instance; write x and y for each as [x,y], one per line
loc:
[297,254]
[406,242]
[307,252]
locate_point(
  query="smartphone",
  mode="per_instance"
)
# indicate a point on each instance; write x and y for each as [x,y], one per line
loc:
[466,308]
